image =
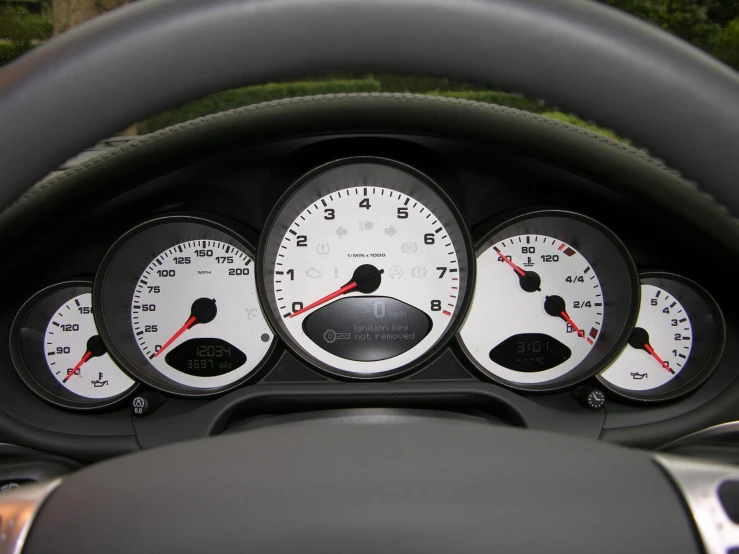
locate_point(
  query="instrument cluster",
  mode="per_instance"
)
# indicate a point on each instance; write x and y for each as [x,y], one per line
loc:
[366,270]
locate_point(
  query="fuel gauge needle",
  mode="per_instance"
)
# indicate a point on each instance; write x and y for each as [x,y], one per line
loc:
[640,340]
[555,307]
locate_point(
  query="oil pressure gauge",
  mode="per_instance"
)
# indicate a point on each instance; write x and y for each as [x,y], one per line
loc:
[675,345]
[59,354]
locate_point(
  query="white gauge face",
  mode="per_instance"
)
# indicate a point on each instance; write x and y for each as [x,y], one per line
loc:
[537,311]
[401,267]
[196,316]
[71,342]
[666,341]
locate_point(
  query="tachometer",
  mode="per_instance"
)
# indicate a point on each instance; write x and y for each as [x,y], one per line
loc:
[59,354]
[177,303]
[555,298]
[365,267]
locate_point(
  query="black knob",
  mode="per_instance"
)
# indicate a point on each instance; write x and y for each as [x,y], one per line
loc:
[146,403]
[590,398]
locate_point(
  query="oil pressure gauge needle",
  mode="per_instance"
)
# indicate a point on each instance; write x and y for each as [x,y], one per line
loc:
[640,340]
[203,310]
[366,279]
[95,347]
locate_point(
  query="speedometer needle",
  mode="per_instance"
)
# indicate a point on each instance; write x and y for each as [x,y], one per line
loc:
[366,279]
[203,310]
[639,339]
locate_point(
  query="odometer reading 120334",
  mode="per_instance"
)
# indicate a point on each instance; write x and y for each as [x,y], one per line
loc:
[365,268]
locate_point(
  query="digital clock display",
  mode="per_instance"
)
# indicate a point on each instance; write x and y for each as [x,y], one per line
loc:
[530,352]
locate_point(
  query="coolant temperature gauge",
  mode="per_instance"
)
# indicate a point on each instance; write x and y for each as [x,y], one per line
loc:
[675,345]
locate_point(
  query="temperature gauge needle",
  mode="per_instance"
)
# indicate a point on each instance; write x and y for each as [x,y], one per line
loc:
[555,307]
[517,269]
[529,280]
[640,340]
[95,347]
[366,279]
[203,310]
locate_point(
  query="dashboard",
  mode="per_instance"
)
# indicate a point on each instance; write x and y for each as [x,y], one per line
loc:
[390,270]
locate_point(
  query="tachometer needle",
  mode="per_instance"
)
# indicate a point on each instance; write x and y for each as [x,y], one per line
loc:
[555,307]
[366,279]
[640,340]
[203,310]
[95,347]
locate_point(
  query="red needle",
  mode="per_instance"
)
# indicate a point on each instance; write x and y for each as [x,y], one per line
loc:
[517,269]
[79,365]
[184,328]
[568,319]
[343,290]
[664,364]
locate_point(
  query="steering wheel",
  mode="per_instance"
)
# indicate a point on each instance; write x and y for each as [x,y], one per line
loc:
[412,482]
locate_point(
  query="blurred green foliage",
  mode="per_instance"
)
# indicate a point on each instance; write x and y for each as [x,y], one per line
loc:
[20,30]
[709,24]
[689,19]
[237,98]
[726,47]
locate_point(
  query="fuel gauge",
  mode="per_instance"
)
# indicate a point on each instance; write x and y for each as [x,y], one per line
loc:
[675,345]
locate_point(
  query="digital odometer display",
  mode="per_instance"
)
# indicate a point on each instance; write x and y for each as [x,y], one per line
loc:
[205,357]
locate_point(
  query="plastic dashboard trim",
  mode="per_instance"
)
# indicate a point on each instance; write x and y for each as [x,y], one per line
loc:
[611,163]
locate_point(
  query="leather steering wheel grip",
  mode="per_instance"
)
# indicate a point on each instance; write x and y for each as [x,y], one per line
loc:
[663,94]
[370,481]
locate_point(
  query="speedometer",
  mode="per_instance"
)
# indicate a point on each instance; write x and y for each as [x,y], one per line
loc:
[175,299]
[365,268]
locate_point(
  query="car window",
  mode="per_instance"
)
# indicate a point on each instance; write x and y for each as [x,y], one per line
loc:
[712,25]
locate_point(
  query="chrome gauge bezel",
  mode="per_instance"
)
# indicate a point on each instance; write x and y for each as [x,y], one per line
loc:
[336,176]
[618,277]
[118,274]
[32,368]
[709,340]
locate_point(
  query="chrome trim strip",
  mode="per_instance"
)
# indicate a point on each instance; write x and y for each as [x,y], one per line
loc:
[699,483]
[18,509]
[714,432]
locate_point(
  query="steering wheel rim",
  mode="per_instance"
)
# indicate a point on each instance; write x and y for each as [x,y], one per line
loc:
[663,94]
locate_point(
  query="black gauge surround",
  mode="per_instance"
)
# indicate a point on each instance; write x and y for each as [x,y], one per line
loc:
[707,340]
[556,261]
[39,332]
[375,214]
[175,270]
